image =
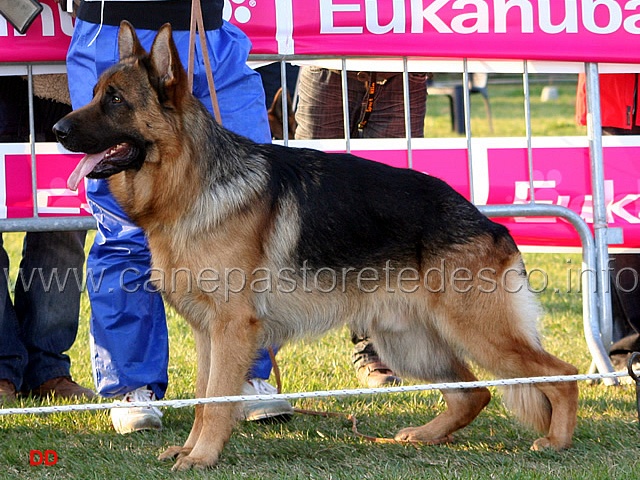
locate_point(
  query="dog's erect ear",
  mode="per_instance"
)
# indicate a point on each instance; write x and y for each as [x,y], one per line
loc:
[165,58]
[128,43]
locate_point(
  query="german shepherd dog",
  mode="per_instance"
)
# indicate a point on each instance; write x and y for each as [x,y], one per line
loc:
[294,242]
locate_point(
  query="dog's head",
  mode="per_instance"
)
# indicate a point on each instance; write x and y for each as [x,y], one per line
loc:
[123,126]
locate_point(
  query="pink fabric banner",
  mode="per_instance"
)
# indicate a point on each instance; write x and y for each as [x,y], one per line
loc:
[52,196]
[46,40]
[561,177]
[564,30]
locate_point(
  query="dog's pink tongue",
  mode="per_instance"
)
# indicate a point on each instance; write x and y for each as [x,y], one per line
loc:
[85,166]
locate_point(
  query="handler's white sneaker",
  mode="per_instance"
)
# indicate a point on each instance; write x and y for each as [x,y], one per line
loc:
[266,411]
[133,419]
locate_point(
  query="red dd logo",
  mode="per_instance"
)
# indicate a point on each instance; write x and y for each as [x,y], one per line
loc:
[38,457]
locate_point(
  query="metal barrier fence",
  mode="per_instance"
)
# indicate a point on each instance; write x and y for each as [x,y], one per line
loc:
[597,318]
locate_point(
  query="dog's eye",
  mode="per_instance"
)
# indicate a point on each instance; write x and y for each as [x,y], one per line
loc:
[116,99]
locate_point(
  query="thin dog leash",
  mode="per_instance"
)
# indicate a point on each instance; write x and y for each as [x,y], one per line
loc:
[349,416]
[198,24]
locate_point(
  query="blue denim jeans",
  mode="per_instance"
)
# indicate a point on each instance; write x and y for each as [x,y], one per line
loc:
[42,322]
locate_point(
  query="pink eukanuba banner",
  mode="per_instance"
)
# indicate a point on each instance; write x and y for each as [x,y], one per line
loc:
[561,176]
[563,30]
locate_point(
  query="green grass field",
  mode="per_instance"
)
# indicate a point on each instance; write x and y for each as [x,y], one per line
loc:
[494,446]
[507,104]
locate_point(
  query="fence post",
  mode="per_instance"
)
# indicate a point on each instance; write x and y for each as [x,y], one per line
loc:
[32,141]
[600,228]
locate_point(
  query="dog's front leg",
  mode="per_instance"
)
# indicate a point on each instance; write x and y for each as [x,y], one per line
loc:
[203,358]
[232,348]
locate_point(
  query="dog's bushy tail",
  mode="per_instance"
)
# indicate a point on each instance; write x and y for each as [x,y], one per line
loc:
[529,405]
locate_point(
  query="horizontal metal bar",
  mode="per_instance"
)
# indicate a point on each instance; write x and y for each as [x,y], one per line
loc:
[46,224]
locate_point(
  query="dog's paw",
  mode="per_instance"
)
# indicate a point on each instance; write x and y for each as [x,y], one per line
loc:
[546,443]
[405,435]
[188,462]
[419,435]
[174,452]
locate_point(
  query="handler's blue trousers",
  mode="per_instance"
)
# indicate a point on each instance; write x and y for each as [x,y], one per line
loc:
[129,339]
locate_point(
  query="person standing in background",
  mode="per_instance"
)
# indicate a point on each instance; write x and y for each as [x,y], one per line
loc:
[619,116]
[41,323]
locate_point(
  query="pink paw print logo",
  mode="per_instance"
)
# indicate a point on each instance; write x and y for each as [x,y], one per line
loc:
[238,11]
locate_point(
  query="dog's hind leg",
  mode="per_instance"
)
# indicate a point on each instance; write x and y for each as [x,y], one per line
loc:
[463,406]
[420,352]
[548,407]
[203,346]
[503,340]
